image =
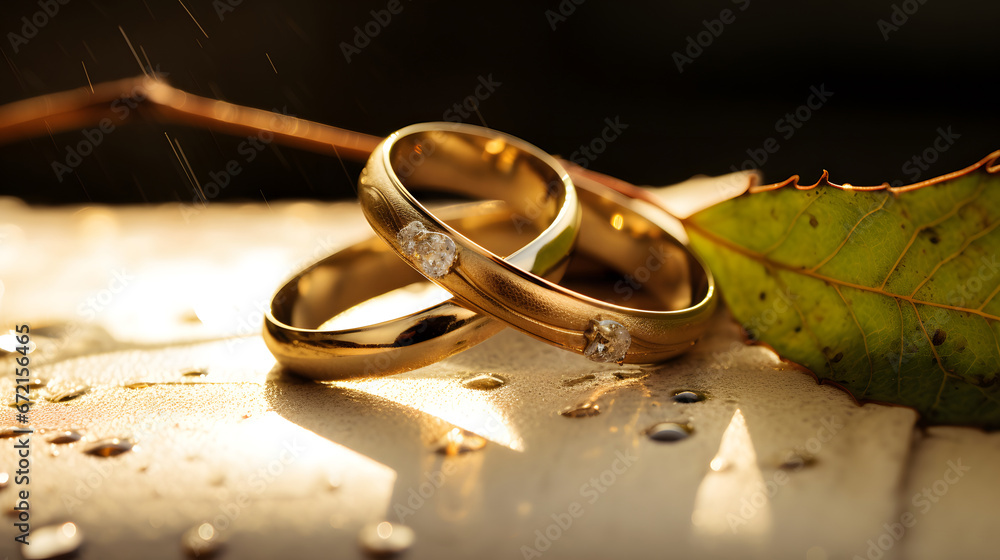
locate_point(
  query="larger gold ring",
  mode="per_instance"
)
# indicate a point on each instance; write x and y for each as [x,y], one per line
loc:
[534,187]
[480,280]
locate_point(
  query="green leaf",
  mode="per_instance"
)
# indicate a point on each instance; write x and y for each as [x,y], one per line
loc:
[890,293]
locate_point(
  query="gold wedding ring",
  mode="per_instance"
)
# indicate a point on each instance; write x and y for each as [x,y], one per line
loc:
[537,196]
[624,231]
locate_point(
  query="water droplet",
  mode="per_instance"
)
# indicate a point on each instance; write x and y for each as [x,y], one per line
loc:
[719,464]
[10,345]
[16,403]
[459,441]
[669,431]
[584,410]
[631,374]
[4,480]
[201,541]
[53,541]
[385,538]
[195,373]
[110,447]
[68,436]
[334,481]
[484,381]
[688,397]
[63,394]
[137,385]
[795,461]
[190,316]
[578,380]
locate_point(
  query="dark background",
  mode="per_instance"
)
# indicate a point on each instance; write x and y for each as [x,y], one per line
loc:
[604,60]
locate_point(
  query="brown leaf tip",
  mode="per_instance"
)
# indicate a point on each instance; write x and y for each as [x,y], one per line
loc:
[989,164]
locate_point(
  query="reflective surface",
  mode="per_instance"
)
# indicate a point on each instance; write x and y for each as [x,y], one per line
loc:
[286,468]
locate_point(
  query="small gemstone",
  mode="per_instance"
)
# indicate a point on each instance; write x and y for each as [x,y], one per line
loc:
[407,236]
[607,341]
[434,252]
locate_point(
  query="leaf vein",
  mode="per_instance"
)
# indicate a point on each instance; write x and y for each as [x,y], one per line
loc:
[864,338]
[902,344]
[775,264]
[849,234]
[968,241]
[989,298]
[791,226]
[802,317]
[961,204]
[995,340]
[930,344]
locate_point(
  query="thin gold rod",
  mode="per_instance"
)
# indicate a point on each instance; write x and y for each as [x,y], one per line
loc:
[81,107]
[78,108]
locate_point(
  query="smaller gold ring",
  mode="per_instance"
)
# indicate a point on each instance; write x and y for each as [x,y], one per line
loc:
[302,330]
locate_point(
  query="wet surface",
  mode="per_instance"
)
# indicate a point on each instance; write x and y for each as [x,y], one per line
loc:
[471,457]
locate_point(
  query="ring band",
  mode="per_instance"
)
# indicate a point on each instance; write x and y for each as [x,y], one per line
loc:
[601,330]
[462,164]
[296,325]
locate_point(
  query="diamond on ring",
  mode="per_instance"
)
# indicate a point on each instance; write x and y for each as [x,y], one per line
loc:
[607,341]
[434,252]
